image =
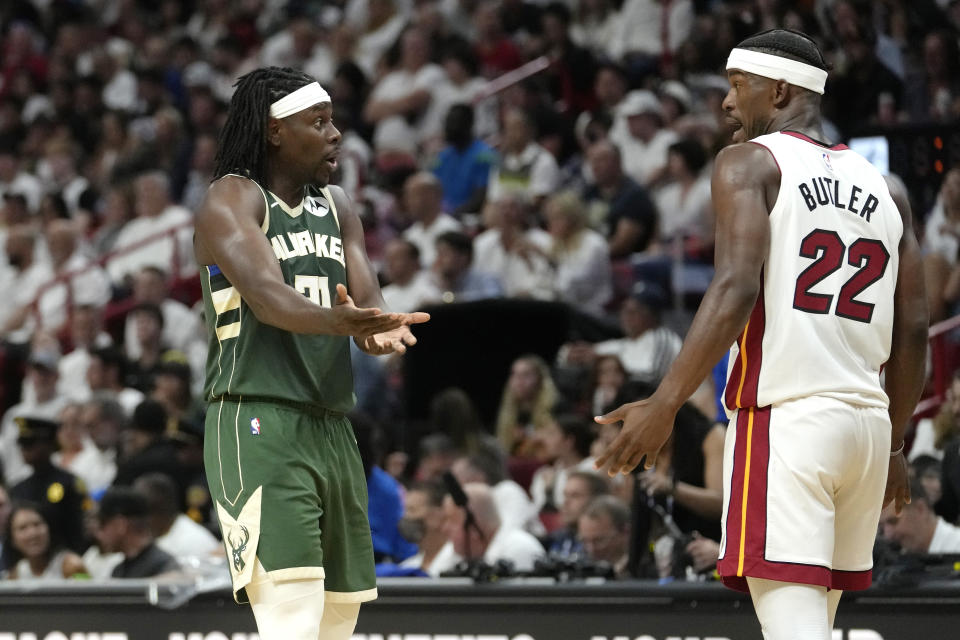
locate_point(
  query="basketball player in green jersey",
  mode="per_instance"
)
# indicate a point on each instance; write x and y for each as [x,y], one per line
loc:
[279,251]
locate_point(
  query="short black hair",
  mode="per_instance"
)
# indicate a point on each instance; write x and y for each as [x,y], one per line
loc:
[489,465]
[111,357]
[573,426]
[460,50]
[149,417]
[789,44]
[597,484]
[150,309]
[458,241]
[123,501]
[435,491]
[692,152]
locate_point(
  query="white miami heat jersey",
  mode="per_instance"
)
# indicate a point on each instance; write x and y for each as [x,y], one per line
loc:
[823,322]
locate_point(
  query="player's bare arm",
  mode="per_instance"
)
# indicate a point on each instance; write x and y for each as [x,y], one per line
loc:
[363,284]
[228,234]
[904,371]
[745,180]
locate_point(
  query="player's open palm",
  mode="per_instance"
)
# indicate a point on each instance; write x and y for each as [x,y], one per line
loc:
[646,426]
[361,322]
[395,341]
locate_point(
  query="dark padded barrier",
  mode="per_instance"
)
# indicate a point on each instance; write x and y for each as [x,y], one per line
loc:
[457,610]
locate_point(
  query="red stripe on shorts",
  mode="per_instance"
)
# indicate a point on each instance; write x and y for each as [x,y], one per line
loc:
[744,379]
[728,564]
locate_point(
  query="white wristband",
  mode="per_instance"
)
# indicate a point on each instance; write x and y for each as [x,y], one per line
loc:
[894,454]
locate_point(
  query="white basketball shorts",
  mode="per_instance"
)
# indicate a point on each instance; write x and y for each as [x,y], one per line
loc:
[803,489]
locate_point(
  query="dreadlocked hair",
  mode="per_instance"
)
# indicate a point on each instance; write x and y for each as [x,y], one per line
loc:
[242,147]
[789,44]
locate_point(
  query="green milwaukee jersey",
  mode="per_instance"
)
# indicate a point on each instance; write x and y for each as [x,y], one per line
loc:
[248,357]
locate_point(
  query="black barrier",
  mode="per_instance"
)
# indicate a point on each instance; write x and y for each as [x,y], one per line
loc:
[458,610]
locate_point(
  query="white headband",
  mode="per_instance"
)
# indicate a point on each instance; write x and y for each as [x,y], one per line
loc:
[305,96]
[797,73]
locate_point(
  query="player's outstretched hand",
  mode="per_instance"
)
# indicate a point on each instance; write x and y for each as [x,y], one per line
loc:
[646,426]
[351,320]
[898,483]
[390,332]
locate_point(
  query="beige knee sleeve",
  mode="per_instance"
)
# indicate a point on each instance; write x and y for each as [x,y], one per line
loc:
[288,610]
[339,620]
[789,611]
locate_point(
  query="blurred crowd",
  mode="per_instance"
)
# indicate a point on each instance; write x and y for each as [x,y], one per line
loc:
[548,151]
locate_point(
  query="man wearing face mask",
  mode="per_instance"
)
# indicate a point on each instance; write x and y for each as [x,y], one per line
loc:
[422,524]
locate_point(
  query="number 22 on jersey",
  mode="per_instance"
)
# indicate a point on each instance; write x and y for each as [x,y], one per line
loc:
[828,251]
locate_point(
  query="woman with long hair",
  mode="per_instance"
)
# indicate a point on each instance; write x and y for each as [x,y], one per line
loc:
[29,551]
[528,398]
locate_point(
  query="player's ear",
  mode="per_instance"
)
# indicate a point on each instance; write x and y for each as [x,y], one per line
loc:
[273,131]
[782,93]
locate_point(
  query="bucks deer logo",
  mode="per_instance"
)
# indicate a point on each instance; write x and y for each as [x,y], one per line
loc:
[238,549]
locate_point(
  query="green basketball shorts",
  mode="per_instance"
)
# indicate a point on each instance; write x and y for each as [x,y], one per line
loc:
[290,495]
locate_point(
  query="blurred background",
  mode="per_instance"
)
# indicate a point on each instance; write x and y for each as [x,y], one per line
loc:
[535,174]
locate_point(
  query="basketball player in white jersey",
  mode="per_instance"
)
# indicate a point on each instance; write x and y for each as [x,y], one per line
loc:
[818,286]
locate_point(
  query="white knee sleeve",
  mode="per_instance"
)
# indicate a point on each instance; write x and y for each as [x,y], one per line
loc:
[339,620]
[789,611]
[287,610]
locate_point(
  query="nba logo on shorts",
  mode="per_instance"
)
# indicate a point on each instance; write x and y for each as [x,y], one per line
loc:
[826,162]
[255,426]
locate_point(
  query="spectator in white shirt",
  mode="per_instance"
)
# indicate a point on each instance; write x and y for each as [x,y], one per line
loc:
[580,255]
[941,244]
[106,375]
[410,286]
[44,402]
[173,530]
[650,30]
[566,444]
[513,504]
[28,275]
[292,46]
[918,529]
[525,166]
[155,214]
[514,251]
[86,333]
[423,201]
[14,180]
[77,453]
[407,91]
[378,31]
[423,525]
[180,325]
[489,540]
[76,280]
[461,85]
[103,418]
[647,349]
[684,203]
[644,144]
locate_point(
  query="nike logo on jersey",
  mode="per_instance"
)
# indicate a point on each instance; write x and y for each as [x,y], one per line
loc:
[304,243]
[821,192]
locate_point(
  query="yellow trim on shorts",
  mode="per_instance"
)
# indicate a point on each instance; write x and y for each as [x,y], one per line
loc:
[290,573]
[746,488]
[350,596]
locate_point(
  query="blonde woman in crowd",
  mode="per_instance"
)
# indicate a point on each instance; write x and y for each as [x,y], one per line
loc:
[580,255]
[528,398]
